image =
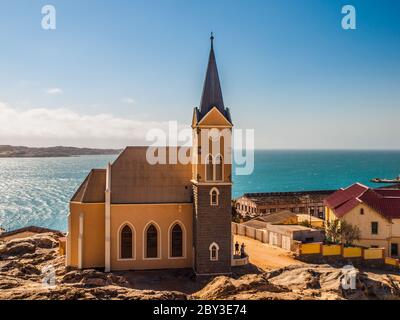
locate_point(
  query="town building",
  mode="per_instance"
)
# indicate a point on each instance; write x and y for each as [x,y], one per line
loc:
[278,229]
[376,212]
[311,221]
[286,236]
[305,202]
[138,215]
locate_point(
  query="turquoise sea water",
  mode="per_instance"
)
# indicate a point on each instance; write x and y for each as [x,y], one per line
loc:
[36,191]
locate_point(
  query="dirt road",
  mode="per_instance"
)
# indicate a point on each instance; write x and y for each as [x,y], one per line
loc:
[264,256]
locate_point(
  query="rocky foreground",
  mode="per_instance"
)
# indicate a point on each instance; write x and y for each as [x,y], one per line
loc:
[22,262]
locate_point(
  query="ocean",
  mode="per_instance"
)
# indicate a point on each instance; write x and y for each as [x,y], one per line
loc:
[36,191]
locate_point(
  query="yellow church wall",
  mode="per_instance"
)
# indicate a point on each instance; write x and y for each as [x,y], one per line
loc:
[164,216]
[93,234]
[73,233]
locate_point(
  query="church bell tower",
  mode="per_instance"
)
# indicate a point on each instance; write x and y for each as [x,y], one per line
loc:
[212,177]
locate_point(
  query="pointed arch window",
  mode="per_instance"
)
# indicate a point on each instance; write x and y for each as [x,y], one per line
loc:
[215,168]
[219,161]
[176,241]
[209,168]
[214,249]
[214,197]
[126,246]
[151,242]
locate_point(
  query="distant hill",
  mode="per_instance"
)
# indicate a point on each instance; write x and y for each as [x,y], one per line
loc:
[28,152]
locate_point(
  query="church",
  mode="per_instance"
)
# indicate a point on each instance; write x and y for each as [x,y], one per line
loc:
[136,215]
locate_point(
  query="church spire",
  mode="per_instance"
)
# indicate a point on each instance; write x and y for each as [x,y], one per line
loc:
[212,93]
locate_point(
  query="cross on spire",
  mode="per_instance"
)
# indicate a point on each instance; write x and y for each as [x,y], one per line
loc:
[212,93]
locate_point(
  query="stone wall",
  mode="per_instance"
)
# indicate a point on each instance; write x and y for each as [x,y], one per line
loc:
[212,224]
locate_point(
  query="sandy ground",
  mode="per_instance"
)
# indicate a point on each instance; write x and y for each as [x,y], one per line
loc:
[265,256]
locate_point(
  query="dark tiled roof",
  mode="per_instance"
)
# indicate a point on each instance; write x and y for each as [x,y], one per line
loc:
[384,201]
[344,200]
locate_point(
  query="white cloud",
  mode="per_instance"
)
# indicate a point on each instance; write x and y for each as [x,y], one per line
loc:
[54,91]
[45,127]
[128,100]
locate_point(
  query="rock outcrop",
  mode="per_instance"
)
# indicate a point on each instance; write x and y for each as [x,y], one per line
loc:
[28,266]
[309,282]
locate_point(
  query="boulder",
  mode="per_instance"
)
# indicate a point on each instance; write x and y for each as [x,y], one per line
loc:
[17,249]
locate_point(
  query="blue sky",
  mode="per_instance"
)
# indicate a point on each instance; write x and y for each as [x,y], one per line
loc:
[113,69]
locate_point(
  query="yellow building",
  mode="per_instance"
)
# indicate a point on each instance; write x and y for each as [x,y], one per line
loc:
[140,214]
[376,212]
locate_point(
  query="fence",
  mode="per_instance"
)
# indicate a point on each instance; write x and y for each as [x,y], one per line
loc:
[318,251]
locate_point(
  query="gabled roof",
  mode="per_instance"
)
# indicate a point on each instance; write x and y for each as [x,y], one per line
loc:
[135,180]
[384,201]
[92,188]
[214,118]
[344,200]
[212,92]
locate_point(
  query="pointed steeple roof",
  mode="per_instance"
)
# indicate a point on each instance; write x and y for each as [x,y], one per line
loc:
[212,93]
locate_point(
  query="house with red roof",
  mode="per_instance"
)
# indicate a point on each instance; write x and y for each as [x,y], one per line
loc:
[375,211]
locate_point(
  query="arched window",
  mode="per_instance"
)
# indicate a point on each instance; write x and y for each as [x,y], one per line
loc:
[219,162]
[214,197]
[151,242]
[209,168]
[126,247]
[214,248]
[176,241]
